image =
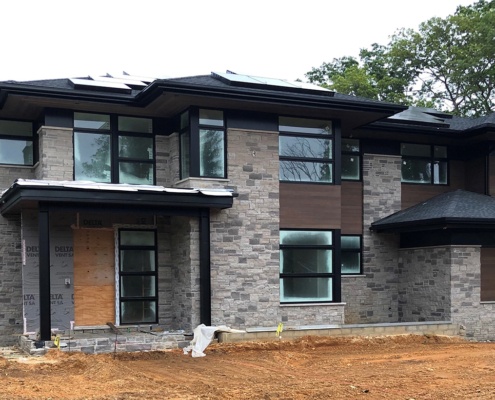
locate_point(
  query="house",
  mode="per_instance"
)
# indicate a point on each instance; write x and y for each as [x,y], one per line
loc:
[238,200]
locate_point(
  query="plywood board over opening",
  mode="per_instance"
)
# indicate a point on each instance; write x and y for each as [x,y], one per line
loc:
[94,276]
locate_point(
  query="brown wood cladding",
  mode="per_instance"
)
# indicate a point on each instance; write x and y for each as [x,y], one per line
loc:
[352,208]
[412,194]
[487,274]
[475,170]
[310,206]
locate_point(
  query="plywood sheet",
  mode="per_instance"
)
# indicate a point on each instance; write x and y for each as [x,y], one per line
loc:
[94,277]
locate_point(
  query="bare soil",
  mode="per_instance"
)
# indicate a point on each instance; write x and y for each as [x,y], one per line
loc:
[395,367]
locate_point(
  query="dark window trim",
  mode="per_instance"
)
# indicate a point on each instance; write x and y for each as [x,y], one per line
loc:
[114,134]
[432,159]
[333,161]
[358,154]
[360,251]
[335,274]
[194,128]
[139,273]
[33,139]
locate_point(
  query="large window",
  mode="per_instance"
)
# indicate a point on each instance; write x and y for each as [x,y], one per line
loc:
[350,255]
[424,163]
[306,150]
[202,144]
[138,281]
[351,160]
[16,143]
[113,149]
[306,266]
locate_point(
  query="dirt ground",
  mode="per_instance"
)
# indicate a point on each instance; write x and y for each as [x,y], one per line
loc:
[396,367]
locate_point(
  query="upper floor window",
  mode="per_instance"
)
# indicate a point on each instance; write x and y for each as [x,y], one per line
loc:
[111,148]
[202,144]
[351,159]
[16,142]
[424,163]
[306,266]
[306,150]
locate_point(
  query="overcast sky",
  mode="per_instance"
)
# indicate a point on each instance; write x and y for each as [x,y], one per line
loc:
[43,39]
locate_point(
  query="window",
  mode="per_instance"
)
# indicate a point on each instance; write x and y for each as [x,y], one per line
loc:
[113,149]
[351,160]
[138,276]
[350,255]
[16,143]
[306,266]
[305,150]
[424,163]
[202,144]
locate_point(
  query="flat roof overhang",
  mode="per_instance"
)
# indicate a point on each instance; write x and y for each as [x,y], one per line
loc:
[167,98]
[28,194]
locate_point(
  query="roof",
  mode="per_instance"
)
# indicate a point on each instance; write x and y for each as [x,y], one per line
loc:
[456,209]
[80,194]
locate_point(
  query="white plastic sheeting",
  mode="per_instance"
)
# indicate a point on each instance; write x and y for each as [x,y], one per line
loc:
[203,335]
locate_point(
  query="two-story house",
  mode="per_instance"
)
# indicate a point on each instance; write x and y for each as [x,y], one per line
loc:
[228,199]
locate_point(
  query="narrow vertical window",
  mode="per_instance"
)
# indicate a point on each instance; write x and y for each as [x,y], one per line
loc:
[211,144]
[351,160]
[138,277]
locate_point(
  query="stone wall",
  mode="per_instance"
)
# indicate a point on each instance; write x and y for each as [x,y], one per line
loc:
[374,298]
[56,154]
[167,159]
[424,284]
[11,321]
[245,239]
[465,287]
[164,269]
[185,303]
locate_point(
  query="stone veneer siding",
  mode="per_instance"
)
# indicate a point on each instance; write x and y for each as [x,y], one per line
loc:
[167,159]
[245,238]
[11,320]
[373,297]
[56,154]
[424,284]
[185,303]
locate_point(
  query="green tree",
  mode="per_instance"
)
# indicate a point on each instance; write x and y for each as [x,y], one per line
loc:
[447,64]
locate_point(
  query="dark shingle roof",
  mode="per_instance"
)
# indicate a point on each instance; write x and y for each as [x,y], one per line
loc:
[459,207]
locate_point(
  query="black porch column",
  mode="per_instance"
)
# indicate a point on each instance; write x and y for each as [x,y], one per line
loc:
[204,267]
[44,271]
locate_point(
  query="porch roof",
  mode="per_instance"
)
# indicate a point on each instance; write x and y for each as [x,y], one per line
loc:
[458,209]
[28,193]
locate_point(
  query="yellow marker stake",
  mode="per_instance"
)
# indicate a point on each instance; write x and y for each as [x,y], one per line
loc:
[56,342]
[280,328]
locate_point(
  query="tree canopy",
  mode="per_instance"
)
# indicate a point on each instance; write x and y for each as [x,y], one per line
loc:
[448,64]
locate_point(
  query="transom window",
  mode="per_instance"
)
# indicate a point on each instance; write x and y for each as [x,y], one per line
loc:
[138,281]
[424,163]
[306,266]
[306,150]
[202,144]
[16,142]
[351,160]
[111,148]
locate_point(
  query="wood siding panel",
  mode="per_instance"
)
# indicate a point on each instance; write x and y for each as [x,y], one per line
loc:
[94,277]
[487,274]
[352,208]
[310,206]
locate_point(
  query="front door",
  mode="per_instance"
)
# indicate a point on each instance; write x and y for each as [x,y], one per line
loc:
[94,276]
